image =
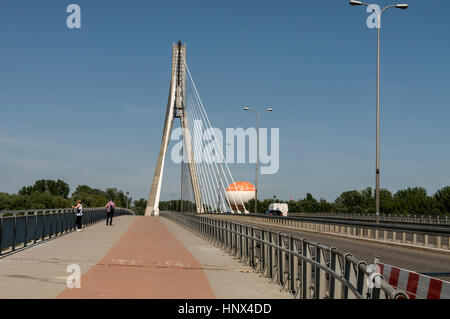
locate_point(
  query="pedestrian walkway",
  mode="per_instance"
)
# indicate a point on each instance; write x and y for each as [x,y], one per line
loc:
[147,262]
[40,271]
[137,257]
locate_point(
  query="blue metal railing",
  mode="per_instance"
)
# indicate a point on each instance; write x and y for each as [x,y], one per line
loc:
[23,228]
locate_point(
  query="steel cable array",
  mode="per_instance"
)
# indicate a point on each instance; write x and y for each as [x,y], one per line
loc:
[213,172]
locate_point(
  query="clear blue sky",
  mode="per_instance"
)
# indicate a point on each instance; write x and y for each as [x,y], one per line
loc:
[87,106]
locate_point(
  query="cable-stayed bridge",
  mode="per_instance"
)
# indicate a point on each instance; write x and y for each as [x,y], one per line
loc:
[41,255]
[207,171]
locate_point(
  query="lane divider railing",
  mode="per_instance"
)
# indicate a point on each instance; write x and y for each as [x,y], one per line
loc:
[428,237]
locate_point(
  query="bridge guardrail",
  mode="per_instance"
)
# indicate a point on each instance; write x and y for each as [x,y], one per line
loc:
[24,227]
[421,236]
[306,269]
[413,219]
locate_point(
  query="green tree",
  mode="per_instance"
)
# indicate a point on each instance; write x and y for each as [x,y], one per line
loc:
[442,198]
[56,188]
[87,190]
[387,204]
[350,202]
[139,206]
[309,204]
[325,207]
[414,201]
[5,202]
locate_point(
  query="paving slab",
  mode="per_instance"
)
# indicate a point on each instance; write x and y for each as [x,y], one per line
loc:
[228,277]
[148,262]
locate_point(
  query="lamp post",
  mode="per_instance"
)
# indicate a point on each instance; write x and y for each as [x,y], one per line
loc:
[257,150]
[173,199]
[377,171]
[219,190]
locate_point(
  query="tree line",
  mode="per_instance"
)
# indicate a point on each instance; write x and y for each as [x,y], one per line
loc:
[49,194]
[412,201]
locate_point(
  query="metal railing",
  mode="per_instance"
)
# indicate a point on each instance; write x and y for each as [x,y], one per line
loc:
[20,229]
[305,269]
[415,219]
[420,236]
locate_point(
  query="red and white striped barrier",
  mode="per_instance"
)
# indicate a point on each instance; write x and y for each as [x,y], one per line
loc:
[414,284]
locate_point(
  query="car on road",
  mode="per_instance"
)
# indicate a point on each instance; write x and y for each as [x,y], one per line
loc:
[274,212]
[280,206]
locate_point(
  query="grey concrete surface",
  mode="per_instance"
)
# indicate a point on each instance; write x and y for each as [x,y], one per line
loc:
[40,271]
[228,277]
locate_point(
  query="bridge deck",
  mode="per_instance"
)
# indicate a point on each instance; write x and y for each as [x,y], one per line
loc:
[137,257]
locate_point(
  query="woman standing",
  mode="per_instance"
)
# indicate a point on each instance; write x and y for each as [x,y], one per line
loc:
[79,214]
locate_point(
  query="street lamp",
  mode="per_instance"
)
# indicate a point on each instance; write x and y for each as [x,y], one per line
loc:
[402,6]
[172,202]
[257,150]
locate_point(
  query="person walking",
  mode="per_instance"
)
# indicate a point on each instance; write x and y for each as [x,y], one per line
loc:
[110,207]
[79,215]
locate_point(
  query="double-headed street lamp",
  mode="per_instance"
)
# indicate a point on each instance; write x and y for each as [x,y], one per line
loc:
[257,150]
[377,172]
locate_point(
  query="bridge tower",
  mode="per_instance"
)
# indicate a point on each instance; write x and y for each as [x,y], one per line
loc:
[175,109]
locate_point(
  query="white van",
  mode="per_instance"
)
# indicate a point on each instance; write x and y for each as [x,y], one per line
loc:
[283,207]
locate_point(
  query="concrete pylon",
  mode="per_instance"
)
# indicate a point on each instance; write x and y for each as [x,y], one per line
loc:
[175,109]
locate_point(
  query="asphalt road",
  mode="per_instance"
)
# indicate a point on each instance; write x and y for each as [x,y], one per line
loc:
[408,258]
